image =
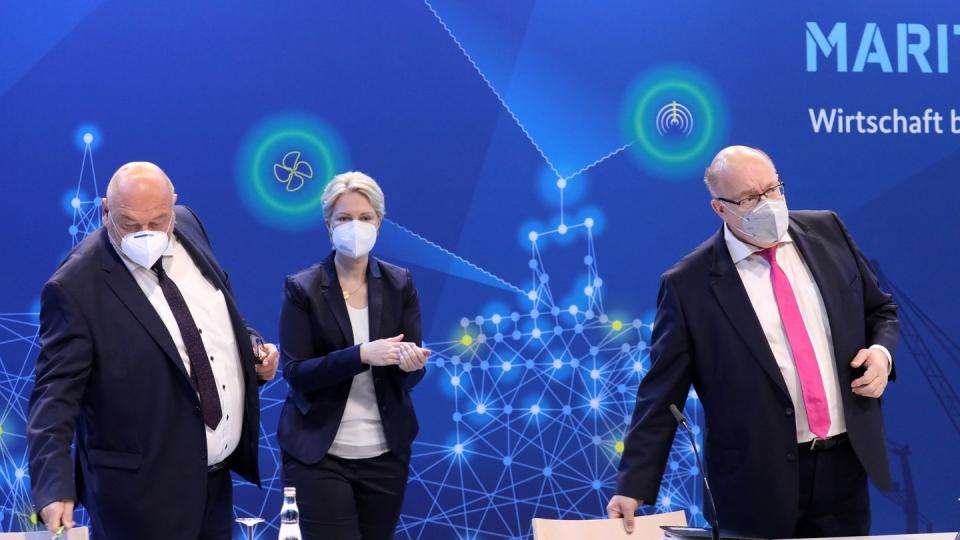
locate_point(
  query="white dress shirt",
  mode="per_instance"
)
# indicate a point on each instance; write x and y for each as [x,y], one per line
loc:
[361,429]
[209,310]
[755,273]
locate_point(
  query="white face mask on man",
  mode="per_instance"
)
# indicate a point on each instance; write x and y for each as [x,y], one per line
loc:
[354,238]
[142,247]
[766,223]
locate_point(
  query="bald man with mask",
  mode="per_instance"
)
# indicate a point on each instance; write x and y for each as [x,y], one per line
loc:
[778,323]
[147,365]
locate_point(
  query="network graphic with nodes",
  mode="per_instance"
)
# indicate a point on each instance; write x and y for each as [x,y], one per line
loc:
[540,400]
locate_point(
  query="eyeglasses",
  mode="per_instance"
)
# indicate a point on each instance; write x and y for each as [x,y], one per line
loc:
[775,192]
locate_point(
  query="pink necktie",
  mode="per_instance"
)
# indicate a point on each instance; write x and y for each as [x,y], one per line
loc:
[814,395]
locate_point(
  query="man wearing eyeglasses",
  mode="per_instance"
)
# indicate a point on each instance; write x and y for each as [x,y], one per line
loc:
[778,323]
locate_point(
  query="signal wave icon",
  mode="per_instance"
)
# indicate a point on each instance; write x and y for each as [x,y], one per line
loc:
[674,117]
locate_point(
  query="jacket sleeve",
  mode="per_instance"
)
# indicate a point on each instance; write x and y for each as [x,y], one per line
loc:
[62,369]
[412,330]
[650,436]
[303,370]
[880,310]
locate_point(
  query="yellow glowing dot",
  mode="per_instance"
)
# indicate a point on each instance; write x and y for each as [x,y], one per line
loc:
[33,518]
[1,429]
[466,340]
[618,325]
[618,447]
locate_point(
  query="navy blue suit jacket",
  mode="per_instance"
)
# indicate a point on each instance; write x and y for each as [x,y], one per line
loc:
[320,358]
[707,334]
[109,371]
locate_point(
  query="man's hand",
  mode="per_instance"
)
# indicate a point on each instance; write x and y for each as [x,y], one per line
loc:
[413,357]
[621,506]
[874,379]
[58,513]
[270,359]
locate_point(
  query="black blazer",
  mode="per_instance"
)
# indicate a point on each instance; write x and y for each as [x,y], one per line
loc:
[707,334]
[320,359]
[109,370]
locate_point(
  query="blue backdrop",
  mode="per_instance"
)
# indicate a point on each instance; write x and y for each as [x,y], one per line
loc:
[542,165]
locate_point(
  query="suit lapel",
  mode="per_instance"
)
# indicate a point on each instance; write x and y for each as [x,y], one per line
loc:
[829,281]
[333,297]
[123,284]
[374,297]
[732,296]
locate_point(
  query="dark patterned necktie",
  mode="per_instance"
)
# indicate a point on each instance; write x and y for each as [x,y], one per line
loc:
[200,370]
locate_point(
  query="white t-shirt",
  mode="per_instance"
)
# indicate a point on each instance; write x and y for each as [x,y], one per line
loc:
[361,430]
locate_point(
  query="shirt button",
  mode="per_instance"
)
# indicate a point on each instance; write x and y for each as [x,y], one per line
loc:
[224,387]
[788,411]
[211,358]
[200,330]
[228,417]
[791,456]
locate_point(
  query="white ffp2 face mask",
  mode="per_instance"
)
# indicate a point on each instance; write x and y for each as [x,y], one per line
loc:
[143,247]
[355,238]
[767,222]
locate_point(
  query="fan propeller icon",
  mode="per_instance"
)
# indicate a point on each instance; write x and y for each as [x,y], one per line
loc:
[292,171]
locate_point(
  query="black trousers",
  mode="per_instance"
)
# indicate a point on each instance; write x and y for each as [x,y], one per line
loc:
[348,498]
[834,500]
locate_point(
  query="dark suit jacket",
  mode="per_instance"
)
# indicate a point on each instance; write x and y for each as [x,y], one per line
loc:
[707,334]
[320,359]
[109,370]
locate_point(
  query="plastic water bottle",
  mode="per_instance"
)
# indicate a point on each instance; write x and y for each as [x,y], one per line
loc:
[290,516]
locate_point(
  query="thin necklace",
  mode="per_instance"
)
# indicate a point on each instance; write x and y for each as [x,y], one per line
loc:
[346,295]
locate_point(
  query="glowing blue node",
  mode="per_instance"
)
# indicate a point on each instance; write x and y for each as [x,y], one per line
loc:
[548,471]
[588,260]
[557,330]
[458,449]
[529,364]
[594,403]
[574,362]
[557,363]
[622,388]
[484,365]
[594,350]
[596,484]
[506,366]
[439,362]
[534,313]
[516,335]
[75,202]
[596,440]
[455,381]
[514,316]
[87,138]
[567,409]
[457,417]
[464,322]
[535,409]
[532,264]
[545,278]
[562,229]
[507,460]
[478,320]
[73,230]
[594,374]
[507,409]
[481,409]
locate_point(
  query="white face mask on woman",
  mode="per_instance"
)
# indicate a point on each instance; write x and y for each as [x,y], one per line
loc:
[354,238]
[143,247]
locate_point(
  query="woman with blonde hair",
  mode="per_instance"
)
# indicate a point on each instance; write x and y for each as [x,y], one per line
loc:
[350,346]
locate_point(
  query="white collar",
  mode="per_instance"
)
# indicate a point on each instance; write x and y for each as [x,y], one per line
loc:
[740,250]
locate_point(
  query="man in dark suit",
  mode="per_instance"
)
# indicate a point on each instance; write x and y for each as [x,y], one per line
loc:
[778,323]
[145,357]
